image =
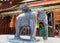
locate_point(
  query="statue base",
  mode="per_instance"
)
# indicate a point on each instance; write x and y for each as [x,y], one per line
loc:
[23,41]
[10,39]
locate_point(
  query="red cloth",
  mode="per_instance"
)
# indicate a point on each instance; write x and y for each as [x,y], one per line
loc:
[12,23]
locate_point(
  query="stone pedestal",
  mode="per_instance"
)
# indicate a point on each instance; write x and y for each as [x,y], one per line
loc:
[22,41]
[10,39]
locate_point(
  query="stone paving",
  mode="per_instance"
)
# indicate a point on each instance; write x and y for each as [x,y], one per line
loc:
[6,39]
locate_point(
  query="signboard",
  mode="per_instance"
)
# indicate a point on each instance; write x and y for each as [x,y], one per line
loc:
[57,17]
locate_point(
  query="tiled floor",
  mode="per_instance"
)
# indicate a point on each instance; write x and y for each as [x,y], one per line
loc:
[6,39]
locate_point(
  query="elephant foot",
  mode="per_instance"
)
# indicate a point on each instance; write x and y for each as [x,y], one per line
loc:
[17,38]
[21,39]
[35,40]
[45,38]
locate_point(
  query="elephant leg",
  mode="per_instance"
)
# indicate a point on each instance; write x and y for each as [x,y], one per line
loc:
[17,28]
[33,30]
[45,21]
[17,34]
